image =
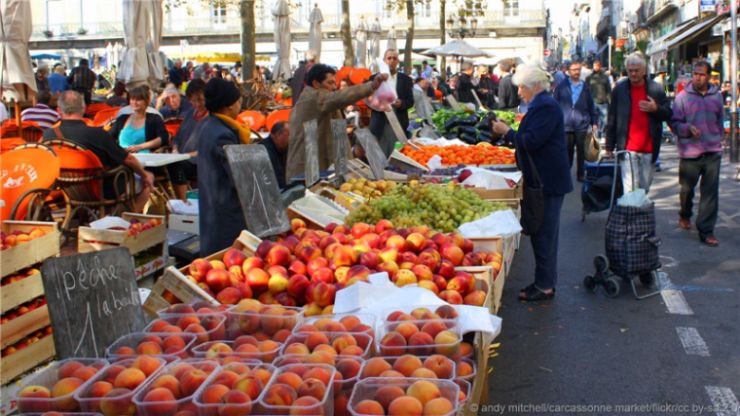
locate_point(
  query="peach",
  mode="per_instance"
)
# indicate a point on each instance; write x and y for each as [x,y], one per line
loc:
[233,257]
[472,259]
[353,350]
[392,344]
[407,329]
[214,393]
[434,327]
[279,255]
[359,271]
[251,263]
[296,224]
[199,268]
[422,272]
[296,348]
[235,403]
[99,389]
[447,312]
[129,378]
[146,364]
[314,339]
[218,264]
[218,279]
[341,402]
[343,341]
[290,378]
[250,385]
[68,368]
[226,378]
[272,319]
[440,365]
[348,368]
[323,354]
[464,369]
[424,391]
[217,349]
[168,382]
[421,341]
[475,298]
[386,394]
[438,407]
[391,374]
[149,347]
[112,371]
[383,225]
[466,349]
[320,293]
[268,350]
[375,366]
[406,406]
[388,255]
[343,256]
[306,405]
[297,285]
[229,296]
[257,279]
[115,403]
[85,373]
[312,387]
[191,380]
[369,407]
[407,364]
[396,242]
[452,297]
[320,373]
[428,259]
[65,387]
[459,284]
[369,259]
[407,257]
[279,394]
[324,274]
[429,285]
[423,373]
[236,275]
[415,242]
[404,277]
[447,343]
[164,398]
[173,343]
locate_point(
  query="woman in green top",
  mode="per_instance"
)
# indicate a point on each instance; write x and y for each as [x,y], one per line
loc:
[140,131]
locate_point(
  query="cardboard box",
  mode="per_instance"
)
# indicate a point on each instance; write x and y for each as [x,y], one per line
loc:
[186,223]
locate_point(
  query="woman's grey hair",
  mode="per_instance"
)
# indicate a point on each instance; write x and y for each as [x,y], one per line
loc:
[71,102]
[531,76]
[635,59]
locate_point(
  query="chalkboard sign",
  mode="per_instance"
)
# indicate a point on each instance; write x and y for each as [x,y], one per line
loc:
[93,300]
[374,153]
[396,127]
[311,139]
[341,147]
[257,188]
[453,102]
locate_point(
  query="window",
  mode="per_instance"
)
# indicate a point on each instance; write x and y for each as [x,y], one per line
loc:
[511,8]
[424,9]
[218,12]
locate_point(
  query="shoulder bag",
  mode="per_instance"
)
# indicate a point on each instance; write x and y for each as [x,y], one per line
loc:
[593,148]
[533,201]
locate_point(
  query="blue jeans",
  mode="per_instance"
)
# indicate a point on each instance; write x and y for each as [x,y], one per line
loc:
[603,109]
[545,244]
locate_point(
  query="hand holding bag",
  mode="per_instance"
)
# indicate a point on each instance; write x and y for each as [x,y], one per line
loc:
[533,201]
[593,148]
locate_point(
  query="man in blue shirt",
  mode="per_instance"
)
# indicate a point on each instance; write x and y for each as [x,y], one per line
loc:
[580,113]
[58,80]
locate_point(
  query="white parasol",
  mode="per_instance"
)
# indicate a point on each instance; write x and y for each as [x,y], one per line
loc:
[142,32]
[456,47]
[314,32]
[281,11]
[16,73]
[361,37]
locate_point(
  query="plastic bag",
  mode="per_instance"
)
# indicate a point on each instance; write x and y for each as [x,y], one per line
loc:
[383,97]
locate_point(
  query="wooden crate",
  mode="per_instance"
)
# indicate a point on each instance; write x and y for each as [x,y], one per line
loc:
[512,193]
[16,329]
[22,291]
[174,285]
[153,266]
[31,252]
[478,393]
[483,280]
[24,360]
[90,239]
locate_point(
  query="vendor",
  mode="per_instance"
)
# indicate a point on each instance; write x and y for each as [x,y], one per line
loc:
[319,101]
[403,85]
[140,131]
[277,148]
[221,216]
[186,139]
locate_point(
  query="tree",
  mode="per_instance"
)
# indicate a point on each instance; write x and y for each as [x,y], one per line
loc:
[443,37]
[349,53]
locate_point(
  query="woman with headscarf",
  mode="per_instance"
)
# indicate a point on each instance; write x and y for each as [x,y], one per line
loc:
[221,216]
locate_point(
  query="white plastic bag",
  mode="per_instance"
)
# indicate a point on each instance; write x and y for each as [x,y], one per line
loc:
[383,97]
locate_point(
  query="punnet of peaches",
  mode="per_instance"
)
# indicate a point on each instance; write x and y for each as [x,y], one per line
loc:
[274,346]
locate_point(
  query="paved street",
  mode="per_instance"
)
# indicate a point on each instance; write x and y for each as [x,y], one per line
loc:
[675,353]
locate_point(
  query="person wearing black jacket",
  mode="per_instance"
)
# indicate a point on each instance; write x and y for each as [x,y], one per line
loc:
[580,113]
[637,111]
[508,99]
[465,84]
[276,145]
[486,88]
[404,85]
[601,89]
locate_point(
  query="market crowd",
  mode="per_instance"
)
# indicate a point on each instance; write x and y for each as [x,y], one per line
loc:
[564,110]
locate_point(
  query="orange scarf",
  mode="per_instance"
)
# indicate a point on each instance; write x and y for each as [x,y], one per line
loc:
[244,132]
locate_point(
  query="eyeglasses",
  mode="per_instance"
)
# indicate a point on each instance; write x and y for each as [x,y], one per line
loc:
[391,58]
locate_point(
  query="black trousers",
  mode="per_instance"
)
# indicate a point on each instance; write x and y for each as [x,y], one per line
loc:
[577,139]
[545,244]
[183,172]
[707,168]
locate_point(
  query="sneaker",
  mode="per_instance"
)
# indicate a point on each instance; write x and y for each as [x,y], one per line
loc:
[684,223]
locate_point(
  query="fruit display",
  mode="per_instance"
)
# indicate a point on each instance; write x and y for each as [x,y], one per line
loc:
[22,309]
[28,340]
[205,326]
[361,323]
[405,397]
[426,337]
[465,370]
[171,390]
[233,390]
[136,226]
[200,308]
[53,388]
[307,267]
[326,345]
[300,389]
[20,275]
[408,365]
[111,391]
[443,208]
[245,347]
[168,345]
[480,154]
[14,238]
[250,317]
[367,188]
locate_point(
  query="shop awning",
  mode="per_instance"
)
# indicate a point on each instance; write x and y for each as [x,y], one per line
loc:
[660,44]
[694,31]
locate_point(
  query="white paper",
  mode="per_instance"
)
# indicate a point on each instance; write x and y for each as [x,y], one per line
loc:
[178,206]
[488,179]
[379,297]
[637,198]
[499,223]
[435,162]
[441,142]
[109,222]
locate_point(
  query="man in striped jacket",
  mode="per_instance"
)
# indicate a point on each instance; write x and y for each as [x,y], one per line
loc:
[41,113]
[698,122]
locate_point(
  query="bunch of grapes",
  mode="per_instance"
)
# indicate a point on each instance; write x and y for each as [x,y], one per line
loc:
[442,208]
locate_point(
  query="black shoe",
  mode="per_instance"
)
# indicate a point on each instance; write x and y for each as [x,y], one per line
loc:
[533,294]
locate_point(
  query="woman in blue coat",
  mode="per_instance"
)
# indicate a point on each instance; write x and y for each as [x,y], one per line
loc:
[221,217]
[541,138]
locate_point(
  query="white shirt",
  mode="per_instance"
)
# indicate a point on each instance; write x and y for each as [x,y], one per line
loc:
[392,80]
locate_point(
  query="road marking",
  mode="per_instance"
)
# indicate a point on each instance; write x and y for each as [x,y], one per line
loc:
[692,342]
[724,402]
[674,299]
